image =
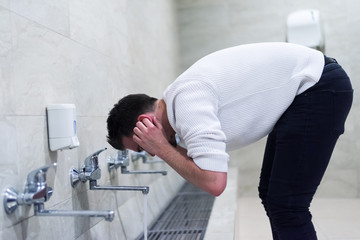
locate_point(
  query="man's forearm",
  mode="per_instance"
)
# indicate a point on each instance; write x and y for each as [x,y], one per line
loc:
[209,181]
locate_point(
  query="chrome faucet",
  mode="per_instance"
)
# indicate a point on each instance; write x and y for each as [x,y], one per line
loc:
[37,192]
[118,161]
[92,172]
[144,156]
[123,161]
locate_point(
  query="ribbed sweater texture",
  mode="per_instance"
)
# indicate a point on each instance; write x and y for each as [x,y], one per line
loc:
[234,97]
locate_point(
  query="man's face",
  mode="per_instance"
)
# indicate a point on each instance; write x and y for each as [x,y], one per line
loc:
[129,143]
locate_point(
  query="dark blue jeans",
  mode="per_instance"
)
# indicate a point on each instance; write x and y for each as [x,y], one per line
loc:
[298,151]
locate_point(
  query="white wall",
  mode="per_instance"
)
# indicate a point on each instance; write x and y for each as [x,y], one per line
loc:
[209,25]
[90,53]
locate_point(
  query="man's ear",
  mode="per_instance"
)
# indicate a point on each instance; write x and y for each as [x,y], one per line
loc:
[143,116]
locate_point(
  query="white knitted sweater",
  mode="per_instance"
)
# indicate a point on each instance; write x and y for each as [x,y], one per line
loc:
[234,97]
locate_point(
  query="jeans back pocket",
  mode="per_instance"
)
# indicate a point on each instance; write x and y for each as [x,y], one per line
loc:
[342,104]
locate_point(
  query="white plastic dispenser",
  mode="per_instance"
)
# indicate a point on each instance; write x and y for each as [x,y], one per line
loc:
[61,120]
[304,27]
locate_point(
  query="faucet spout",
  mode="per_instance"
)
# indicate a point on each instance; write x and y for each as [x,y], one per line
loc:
[122,161]
[39,210]
[124,170]
[144,189]
[144,156]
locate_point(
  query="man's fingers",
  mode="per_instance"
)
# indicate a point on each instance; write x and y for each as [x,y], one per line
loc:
[147,122]
[136,138]
[144,116]
[137,131]
[141,126]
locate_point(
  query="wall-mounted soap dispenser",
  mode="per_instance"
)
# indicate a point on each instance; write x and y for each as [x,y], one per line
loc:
[61,119]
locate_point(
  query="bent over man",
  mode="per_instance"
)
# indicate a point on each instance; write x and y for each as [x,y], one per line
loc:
[295,95]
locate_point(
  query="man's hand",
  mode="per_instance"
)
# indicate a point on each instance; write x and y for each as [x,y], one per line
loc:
[150,135]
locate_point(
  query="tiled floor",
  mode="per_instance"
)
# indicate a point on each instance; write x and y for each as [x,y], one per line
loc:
[334,219]
[244,218]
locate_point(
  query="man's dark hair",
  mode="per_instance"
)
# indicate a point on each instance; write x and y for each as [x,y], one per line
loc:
[123,117]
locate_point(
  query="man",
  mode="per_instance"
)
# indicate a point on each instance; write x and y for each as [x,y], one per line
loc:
[234,97]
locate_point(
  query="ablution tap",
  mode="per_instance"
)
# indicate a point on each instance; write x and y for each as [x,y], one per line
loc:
[91,172]
[37,192]
[122,160]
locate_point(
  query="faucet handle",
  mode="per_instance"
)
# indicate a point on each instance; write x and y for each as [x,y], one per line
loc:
[123,158]
[90,170]
[37,178]
[91,162]
[41,196]
[137,155]
[36,190]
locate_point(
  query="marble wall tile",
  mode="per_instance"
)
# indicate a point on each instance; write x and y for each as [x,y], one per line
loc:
[50,14]
[5,33]
[59,65]
[162,191]
[19,146]
[39,68]
[84,77]
[9,169]
[104,230]
[5,56]
[97,33]
[131,218]
[5,4]
[204,19]
[160,194]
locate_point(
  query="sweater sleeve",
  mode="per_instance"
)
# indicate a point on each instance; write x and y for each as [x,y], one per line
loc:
[193,113]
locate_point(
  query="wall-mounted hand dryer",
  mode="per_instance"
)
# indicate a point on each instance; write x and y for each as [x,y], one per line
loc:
[61,119]
[305,27]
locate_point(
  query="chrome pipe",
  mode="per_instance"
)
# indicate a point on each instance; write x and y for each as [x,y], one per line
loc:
[143,189]
[40,211]
[124,170]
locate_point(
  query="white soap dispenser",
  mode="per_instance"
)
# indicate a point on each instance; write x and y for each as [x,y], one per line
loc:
[61,119]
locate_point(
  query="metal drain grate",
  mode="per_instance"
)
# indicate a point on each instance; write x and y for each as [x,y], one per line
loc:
[185,218]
